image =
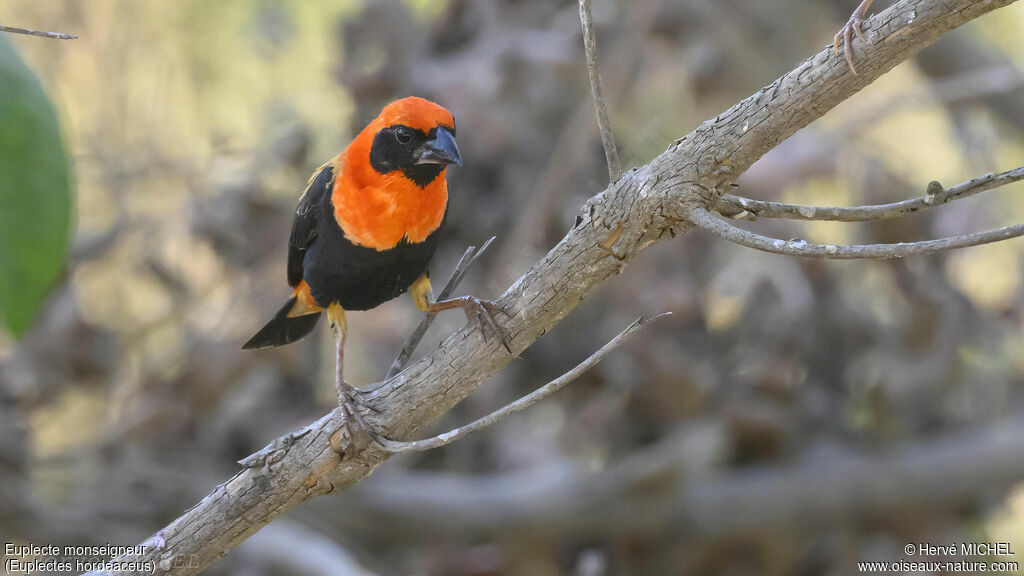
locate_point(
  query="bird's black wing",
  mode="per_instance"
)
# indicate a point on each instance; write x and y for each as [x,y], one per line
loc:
[305,222]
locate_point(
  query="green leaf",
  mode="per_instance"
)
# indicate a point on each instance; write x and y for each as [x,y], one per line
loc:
[35,194]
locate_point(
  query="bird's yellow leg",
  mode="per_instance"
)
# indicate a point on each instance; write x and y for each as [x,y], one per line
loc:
[348,397]
[478,311]
[422,293]
[339,327]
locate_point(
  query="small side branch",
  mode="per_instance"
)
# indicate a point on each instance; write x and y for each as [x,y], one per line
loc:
[26,31]
[611,153]
[746,209]
[700,217]
[524,402]
[468,258]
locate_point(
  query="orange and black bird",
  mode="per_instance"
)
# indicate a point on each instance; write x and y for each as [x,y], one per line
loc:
[367,226]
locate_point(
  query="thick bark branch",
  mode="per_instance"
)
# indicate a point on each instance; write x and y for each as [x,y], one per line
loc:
[646,202]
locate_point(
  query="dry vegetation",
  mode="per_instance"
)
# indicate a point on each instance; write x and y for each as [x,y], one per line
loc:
[779,390]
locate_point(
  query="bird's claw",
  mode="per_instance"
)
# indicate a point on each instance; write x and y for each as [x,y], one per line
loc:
[481,312]
[354,407]
[845,37]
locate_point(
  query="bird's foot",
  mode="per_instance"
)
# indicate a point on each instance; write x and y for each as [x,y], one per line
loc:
[354,407]
[845,35]
[479,312]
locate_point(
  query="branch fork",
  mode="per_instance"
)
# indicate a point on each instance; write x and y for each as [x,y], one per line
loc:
[935,195]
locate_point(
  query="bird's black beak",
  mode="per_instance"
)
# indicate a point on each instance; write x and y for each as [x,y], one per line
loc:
[440,149]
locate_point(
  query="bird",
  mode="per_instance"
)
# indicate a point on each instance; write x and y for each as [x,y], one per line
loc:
[365,230]
[845,34]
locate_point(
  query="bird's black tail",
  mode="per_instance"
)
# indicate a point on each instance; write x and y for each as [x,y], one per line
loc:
[283,329]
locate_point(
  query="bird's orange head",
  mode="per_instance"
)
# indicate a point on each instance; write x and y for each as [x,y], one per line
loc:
[412,135]
[392,179]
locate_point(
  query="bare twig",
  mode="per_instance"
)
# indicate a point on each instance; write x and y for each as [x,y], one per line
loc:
[611,154]
[458,273]
[701,218]
[744,208]
[54,35]
[524,402]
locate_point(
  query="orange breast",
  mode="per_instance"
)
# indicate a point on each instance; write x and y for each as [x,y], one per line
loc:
[379,210]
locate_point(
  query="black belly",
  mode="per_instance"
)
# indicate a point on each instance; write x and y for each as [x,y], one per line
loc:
[361,278]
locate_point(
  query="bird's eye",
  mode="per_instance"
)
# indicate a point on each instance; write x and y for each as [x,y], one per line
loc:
[403,135]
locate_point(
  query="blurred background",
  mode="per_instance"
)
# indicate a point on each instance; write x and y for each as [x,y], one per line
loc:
[191,127]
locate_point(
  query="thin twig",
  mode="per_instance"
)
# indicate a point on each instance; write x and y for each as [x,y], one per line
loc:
[701,218]
[746,209]
[522,403]
[468,258]
[611,153]
[54,35]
